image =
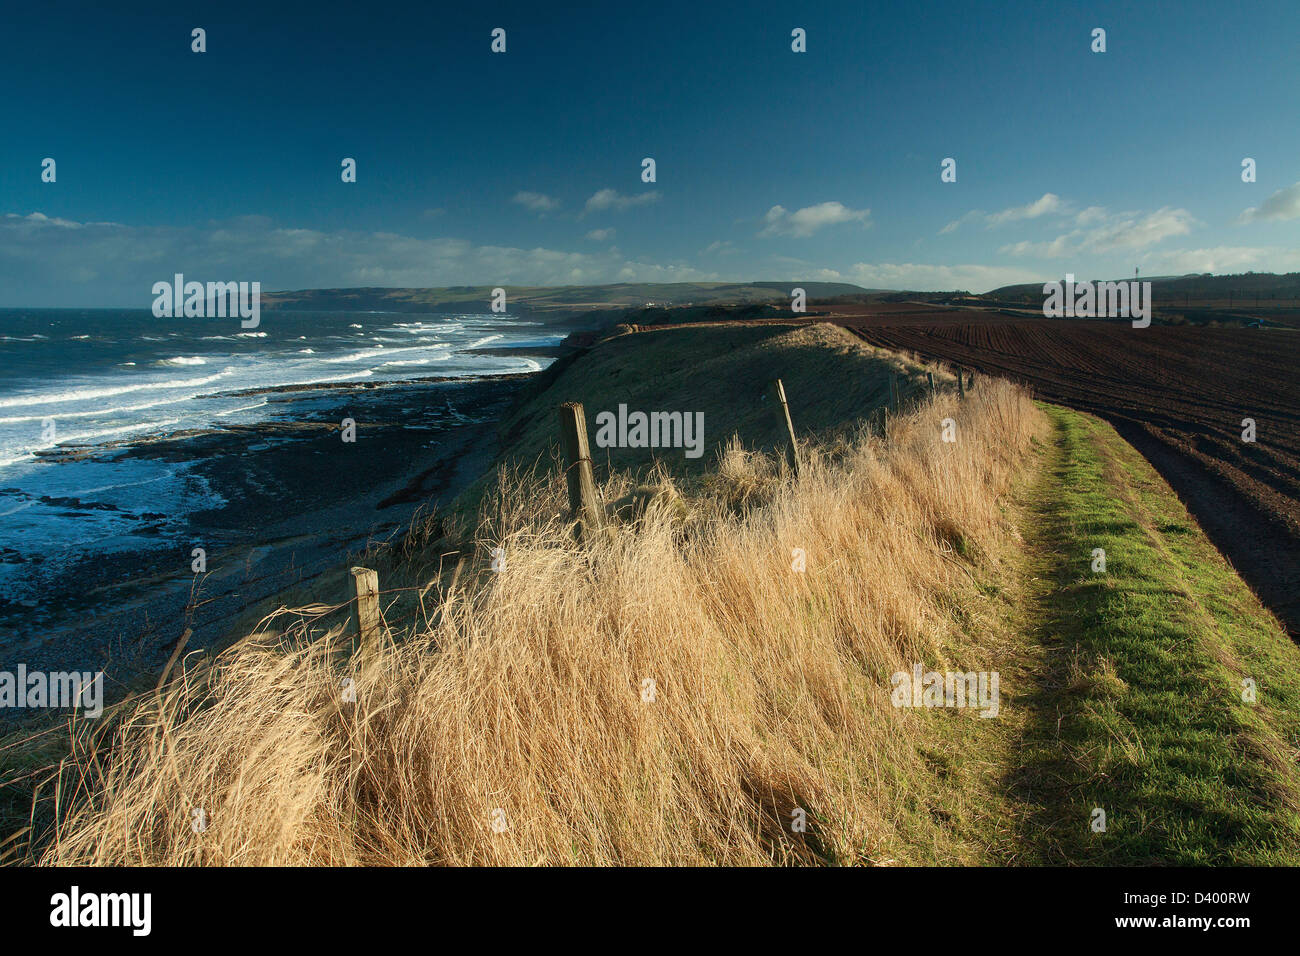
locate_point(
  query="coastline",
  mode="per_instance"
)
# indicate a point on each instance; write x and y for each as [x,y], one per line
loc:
[297,501]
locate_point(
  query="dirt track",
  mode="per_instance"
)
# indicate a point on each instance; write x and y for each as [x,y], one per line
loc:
[1177,393]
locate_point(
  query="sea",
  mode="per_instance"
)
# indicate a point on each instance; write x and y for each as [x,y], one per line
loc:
[89,381]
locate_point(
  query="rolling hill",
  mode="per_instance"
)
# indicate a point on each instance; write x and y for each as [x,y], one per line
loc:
[555,303]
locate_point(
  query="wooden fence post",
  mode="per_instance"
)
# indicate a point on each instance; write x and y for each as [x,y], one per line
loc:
[929,377]
[577,469]
[363,591]
[961,382]
[777,391]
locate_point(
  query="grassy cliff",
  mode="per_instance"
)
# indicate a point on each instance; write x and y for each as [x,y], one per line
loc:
[713,681]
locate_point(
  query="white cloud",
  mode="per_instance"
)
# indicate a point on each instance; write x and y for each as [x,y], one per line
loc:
[612,199]
[536,202]
[1046,203]
[921,277]
[804,222]
[958,223]
[601,235]
[1225,259]
[1131,231]
[1282,205]
[718,247]
[1113,233]
[40,219]
[45,261]
[1053,249]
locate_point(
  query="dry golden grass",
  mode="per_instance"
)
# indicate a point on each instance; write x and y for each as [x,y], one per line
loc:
[522,691]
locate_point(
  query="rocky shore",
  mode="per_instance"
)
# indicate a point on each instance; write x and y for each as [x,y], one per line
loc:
[298,498]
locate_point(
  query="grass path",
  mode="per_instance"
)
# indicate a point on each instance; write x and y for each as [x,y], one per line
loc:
[1121,691]
[1137,707]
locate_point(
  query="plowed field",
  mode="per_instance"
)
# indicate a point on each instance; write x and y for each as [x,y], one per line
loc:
[1177,393]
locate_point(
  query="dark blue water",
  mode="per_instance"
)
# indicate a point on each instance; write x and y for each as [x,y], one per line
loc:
[96,379]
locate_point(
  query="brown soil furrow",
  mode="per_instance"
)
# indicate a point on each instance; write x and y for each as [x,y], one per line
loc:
[1178,394]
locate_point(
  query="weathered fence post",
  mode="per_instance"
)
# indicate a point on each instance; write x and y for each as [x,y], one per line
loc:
[893,392]
[961,382]
[363,591]
[777,391]
[577,469]
[929,377]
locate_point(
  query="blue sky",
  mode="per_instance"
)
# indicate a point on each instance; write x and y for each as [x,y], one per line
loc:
[525,167]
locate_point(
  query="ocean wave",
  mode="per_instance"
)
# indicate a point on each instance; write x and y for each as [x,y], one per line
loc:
[96,413]
[25,504]
[419,328]
[376,351]
[483,341]
[355,356]
[423,361]
[86,394]
[250,335]
[330,378]
[182,360]
[80,438]
[431,343]
[87,437]
[100,489]
[241,408]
